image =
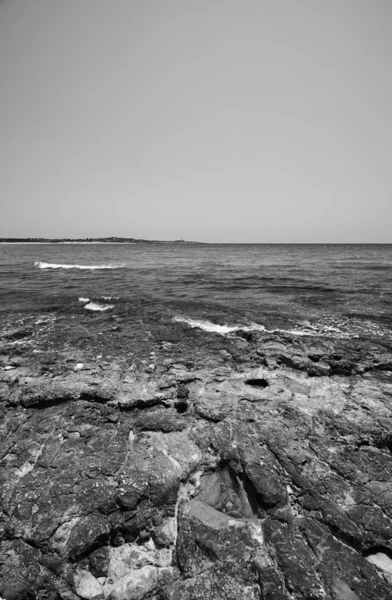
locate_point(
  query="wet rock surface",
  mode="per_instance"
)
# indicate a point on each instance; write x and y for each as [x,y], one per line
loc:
[144,459]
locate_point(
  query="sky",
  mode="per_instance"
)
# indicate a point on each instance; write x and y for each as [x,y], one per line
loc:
[217,121]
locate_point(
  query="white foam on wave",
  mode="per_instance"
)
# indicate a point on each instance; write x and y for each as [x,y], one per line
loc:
[94,306]
[45,265]
[84,300]
[221,329]
[110,298]
[307,330]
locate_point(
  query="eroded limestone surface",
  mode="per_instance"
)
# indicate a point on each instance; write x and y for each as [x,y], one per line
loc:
[143,459]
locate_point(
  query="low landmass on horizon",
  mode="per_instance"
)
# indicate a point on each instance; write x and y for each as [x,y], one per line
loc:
[102,240]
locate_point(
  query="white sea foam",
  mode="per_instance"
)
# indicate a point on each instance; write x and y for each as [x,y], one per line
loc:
[44,320]
[307,330]
[110,298]
[45,265]
[98,307]
[84,300]
[221,329]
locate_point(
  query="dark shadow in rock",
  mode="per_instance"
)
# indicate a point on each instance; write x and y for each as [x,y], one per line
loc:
[344,537]
[246,335]
[253,497]
[384,442]
[48,403]
[95,398]
[181,406]
[259,383]
[378,550]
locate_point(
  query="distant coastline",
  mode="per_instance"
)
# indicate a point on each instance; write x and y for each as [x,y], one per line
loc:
[105,240]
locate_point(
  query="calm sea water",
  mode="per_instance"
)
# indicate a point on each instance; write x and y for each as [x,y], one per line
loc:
[335,289]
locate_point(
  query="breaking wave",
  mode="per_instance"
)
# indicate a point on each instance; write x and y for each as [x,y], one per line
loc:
[221,329]
[226,329]
[94,306]
[45,265]
[85,300]
[342,328]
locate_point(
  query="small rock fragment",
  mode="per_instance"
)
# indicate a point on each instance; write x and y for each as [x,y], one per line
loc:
[87,586]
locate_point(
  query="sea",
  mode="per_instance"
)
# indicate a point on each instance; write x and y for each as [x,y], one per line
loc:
[333,290]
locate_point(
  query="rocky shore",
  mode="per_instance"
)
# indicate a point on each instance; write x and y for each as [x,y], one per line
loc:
[144,459]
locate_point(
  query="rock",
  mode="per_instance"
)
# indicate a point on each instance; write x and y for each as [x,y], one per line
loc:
[136,585]
[224,491]
[382,561]
[165,535]
[344,591]
[86,586]
[87,534]
[157,463]
[266,476]
[320,369]
[99,562]
[246,466]
[125,559]
[208,515]
[213,585]
[165,420]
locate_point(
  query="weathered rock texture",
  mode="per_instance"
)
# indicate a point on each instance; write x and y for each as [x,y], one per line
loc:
[142,459]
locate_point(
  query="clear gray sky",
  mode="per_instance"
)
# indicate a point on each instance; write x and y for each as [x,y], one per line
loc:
[211,120]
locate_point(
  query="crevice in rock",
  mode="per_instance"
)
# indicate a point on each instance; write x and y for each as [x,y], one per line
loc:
[42,404]
[181,406]
[141,404]
[95,399]
[99,542]
[18,335]
[254,499]
[363,443]
[379,367]
[185,380]
[257,382]
[246,335]
[342,369]
[377,550]
[344,538]
[384,442]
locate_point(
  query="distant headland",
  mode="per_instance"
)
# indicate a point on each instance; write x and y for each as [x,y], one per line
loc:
[103,240]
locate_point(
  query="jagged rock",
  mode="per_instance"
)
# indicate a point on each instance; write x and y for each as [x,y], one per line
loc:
[87,534]
[20,571]
[164,535]
[156,464]
[99,562]
[185,466]
[383,562]
[212,584]
[126,558]
[265,473]
[226,492]
[86,586]
[165,420]
[136,585]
